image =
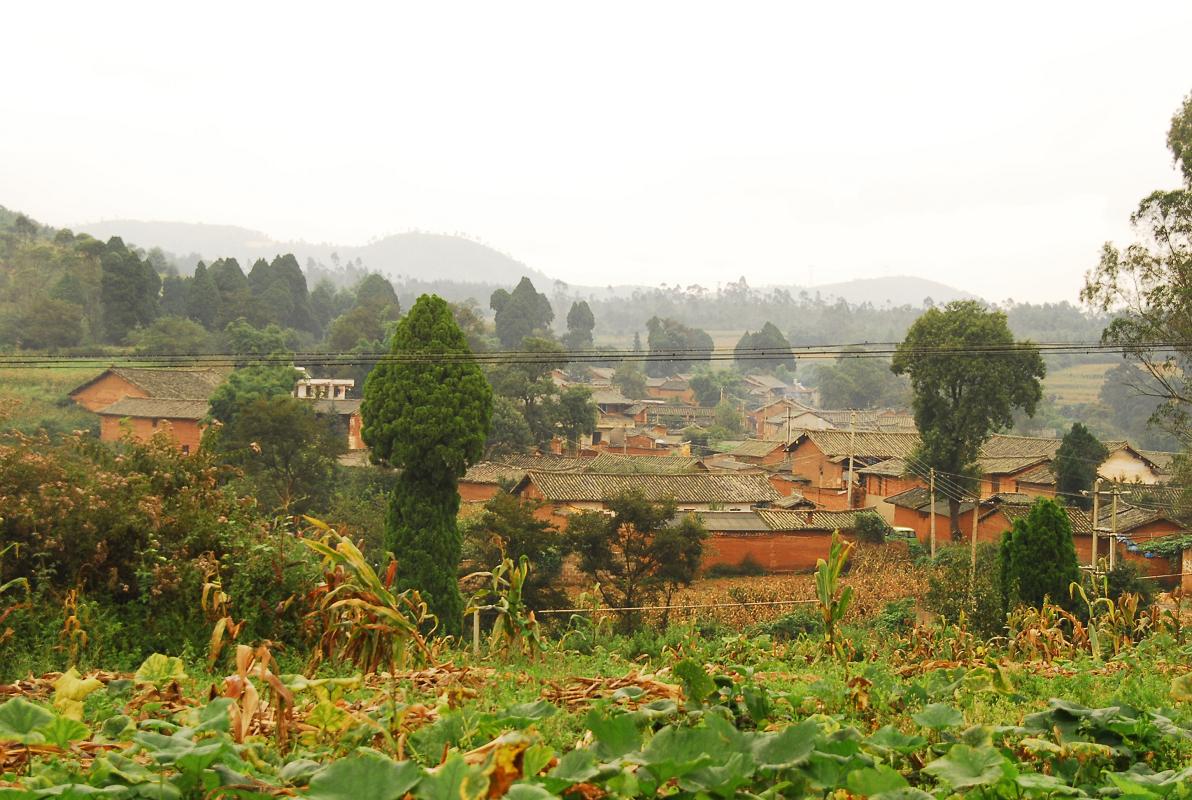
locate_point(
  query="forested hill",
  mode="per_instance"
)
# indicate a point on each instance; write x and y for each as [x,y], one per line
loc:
[414,255]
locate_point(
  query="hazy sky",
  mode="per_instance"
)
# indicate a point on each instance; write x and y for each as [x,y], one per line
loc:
[990,146]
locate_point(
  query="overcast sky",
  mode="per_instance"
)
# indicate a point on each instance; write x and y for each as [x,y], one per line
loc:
[991,146]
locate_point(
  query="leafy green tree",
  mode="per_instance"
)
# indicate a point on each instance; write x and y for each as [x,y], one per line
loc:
[527,382]
[235,295]
[666,336]
[203,300]
[327,303]
[129,289]
[509,433]
[729,419]
[471,322]
[520,313]
[1038,558]
[632,555]
[174,289]
[713,386]
[1076,463]
[50,323]
[286,452]
[428,412]
[247,385]
[172,336]
[280,293]
[768,339]
[376,292]
[509,528]
[575,414]
[968,375]
[859,382]
[630,380]
[871,528]
[580,324]
[1145,286]
[245,340]
[1132,399]
[950,571]
[361,324]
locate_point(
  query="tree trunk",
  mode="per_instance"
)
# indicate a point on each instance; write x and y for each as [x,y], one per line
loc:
[954,519]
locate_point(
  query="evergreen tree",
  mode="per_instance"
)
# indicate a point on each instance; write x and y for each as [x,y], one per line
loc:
[203,298]
[235,295]
[129,289]
[428,414]
[770,340]
[520,313]
[1076,464]
[174,289]
[509,433]
[666,335]
[1038,558]
[580,324]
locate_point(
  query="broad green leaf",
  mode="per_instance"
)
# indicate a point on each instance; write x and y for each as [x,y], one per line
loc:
[939,716]
[874,780]
[722,779]
[364,775]
[965,766]
[890,739]
[757,703]
[299,772]
[160,669]
[454,779]
[528,791]
[1181,688]
[615,736]
[70,691]
[787,748]
[539,709]
[577,766]
[676,751]
[117,727]
[62,731]
[696,683]
[535,758]
[905,793]
[1046,785]
[20,720]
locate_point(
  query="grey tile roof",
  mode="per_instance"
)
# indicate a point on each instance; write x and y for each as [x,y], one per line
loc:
[156,408]
[344,407]
[757,448]
[726,521]
[173,384]
[696,487]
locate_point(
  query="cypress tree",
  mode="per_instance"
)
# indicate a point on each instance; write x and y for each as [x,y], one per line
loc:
[1038,558]
[202,298]
[429,416]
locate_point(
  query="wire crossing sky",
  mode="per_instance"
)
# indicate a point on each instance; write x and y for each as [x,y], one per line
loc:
[992,147]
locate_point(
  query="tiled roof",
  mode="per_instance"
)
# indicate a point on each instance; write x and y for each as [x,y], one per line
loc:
[757,448]
[768,381]
[493,472]
[546,462]
[172,384]
[787,520]
[870,420]
[616,463]
[655,412]
[1008,465]
[1159,458]
[696,487]
[726,521]
[343,407]
[156,408]
[1080,521]
[610,397]
[793,500]
[864,443]
[1041,475]
[890,468]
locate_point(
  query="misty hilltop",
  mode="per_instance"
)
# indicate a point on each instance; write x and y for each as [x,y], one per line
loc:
[402,256]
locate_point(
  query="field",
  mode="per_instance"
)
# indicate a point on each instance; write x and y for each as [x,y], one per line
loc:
[881,707]
[32,398]
[1077,384]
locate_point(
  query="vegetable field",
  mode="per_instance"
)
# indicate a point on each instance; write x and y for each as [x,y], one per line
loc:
[890,712]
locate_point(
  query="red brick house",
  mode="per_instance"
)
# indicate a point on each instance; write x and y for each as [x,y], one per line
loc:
[778,540]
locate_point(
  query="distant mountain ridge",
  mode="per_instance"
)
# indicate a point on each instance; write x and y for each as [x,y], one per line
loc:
[434,257]
[417,255]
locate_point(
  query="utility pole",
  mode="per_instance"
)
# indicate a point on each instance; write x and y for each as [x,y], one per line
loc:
[1113,529]
[852,446]
[973,552]
[1096,521]
[931,497]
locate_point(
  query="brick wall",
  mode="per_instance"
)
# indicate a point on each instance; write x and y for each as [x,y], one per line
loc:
[105,391]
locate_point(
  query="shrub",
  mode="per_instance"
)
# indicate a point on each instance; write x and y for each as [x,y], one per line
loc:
[800,622]
[898,616]
[948,582]
[1127,577]
[871,528]
[1038,558]
[748,566]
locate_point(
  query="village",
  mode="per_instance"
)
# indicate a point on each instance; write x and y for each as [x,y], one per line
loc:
[773,498]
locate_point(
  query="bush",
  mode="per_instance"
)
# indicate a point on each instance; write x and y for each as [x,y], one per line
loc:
[871,528]
[800,622]
[898,616]
[746,567]
[948,588]
[1038,558]
[1128,577]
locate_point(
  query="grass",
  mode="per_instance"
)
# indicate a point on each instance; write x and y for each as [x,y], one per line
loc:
[33,398]
[1078,384]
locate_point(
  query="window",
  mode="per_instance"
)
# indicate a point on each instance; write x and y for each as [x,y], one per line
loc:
[996,484]
[185,449]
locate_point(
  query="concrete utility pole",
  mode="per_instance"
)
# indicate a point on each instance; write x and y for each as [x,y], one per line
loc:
[931,497]
[973,552]
[1096,521]
[1113,529]
[852,446]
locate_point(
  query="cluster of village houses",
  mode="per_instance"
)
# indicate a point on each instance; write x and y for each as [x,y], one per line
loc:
[773,497]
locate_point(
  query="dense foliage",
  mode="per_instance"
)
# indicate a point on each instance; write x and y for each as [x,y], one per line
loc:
[1038,559]
[427,411]
[1076,463]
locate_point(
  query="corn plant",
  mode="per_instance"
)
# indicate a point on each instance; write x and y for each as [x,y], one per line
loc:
[246,700]
[833,599]
[217,605]
[515,628]
[358,616]
[5,588]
